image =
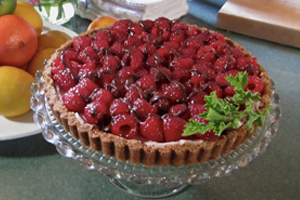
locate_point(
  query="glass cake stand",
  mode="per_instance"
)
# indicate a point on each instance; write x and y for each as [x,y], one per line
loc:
[140,180]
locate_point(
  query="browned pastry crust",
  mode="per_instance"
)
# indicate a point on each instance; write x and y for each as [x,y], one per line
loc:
[177,153]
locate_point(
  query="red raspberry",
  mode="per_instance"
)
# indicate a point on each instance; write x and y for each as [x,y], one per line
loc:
[146,82]
[197,81]
[178,35]
[221,77]
[136,59]
[73,100]
[88,70]
[101,43]
[95,112]
[182,63]
[104,96]
[188,52]
[203,71]
[133,41]
[229,91]
[142,108]
[146,24]
[118,106]
[194,42]
[148,49]
[136,29]
[181,75]
[88,53]
[198,98]
[180,110]
[224,64]
[80,42]
[207,53]
[196,109]
[175,91]
[110,61]
[173,128]
[172,44]
[133,94]
[57,65]
[237,53]
[255,84]
[162,23]
[86,87]
[161,102]
[104,35]
[118,48]
[193,31]
[152,128]
[150,38]
[124,125]
[214,87]
[64,80]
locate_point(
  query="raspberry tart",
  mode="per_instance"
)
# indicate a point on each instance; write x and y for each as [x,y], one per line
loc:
[157,92]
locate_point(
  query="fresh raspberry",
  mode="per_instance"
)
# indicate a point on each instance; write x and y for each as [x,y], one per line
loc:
[193,31]
[152,128]
[146,24]
[178,35]
[237,53]
[196,109]
[150,38]
[101,43]
[136,29]
[57,65]
[160,101]
[124,125]
[64,79]
[207,73]
[104,96]
[146,82]
[86,87]
[255,84]
[147,49]
[207,53]
[133,41]
[142,108]
[214,87]
[133,94]
[162,23]
[87,70]
[88,53]
[175,91]
[188,52]
[110,61]
[118,48]
[182,63]
[221,77]
[104,35]
[229,91]
[213,37]
[73,100]
[118,106]
[180,110]
[181,75]
[171,44]
[173,128]
[247,64]
[194,42]
[80,42]
[197,81]
[224,64]
[198,98]
[136,59]
[95,112]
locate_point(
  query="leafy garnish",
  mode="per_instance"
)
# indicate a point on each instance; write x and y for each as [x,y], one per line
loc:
[223,114]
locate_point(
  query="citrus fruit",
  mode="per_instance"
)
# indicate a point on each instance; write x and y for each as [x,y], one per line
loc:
[37,62]
[27,12]
[52,39]
[101,22]
[7,6]
[15,94]
[18,41]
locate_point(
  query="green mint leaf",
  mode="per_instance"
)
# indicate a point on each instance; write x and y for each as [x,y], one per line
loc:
[222,114]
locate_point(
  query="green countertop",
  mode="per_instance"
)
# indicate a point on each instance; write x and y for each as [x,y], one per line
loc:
[31,168]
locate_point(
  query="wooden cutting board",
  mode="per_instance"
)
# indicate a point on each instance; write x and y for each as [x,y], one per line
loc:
[273,20]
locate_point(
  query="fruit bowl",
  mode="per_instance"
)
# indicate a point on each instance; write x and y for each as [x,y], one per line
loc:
[140,180]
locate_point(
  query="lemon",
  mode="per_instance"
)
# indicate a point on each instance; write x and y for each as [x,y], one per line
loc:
[37,62]
[52,39]
[15,94]
[27,12]
[7,6]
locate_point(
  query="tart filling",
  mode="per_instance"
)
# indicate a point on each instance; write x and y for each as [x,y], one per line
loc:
[132,89]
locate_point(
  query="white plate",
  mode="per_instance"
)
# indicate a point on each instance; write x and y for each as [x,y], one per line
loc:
[22,126]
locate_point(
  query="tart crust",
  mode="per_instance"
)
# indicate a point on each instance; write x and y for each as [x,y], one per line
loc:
[183,152]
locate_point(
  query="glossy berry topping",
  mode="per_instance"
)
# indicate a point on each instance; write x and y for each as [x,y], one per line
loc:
[147,79]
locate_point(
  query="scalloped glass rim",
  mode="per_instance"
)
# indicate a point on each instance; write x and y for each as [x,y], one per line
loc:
[140,174]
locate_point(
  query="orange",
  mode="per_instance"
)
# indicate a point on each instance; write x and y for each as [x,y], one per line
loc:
[18,41]
[52,39]
[101,22]
[37,62]
[15,85]
[27,12]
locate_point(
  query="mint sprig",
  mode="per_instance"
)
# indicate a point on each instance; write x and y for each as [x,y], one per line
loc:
[222,114]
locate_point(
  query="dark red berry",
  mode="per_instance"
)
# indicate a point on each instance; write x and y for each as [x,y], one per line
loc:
[104,96]
[173,128]
[64,79]
[119,106]
[95,112]
[255,84]
[152,128]
[124,125]
[73,100]
[80,42]
[142,108]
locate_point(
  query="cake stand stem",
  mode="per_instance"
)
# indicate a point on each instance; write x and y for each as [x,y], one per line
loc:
[150,191]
